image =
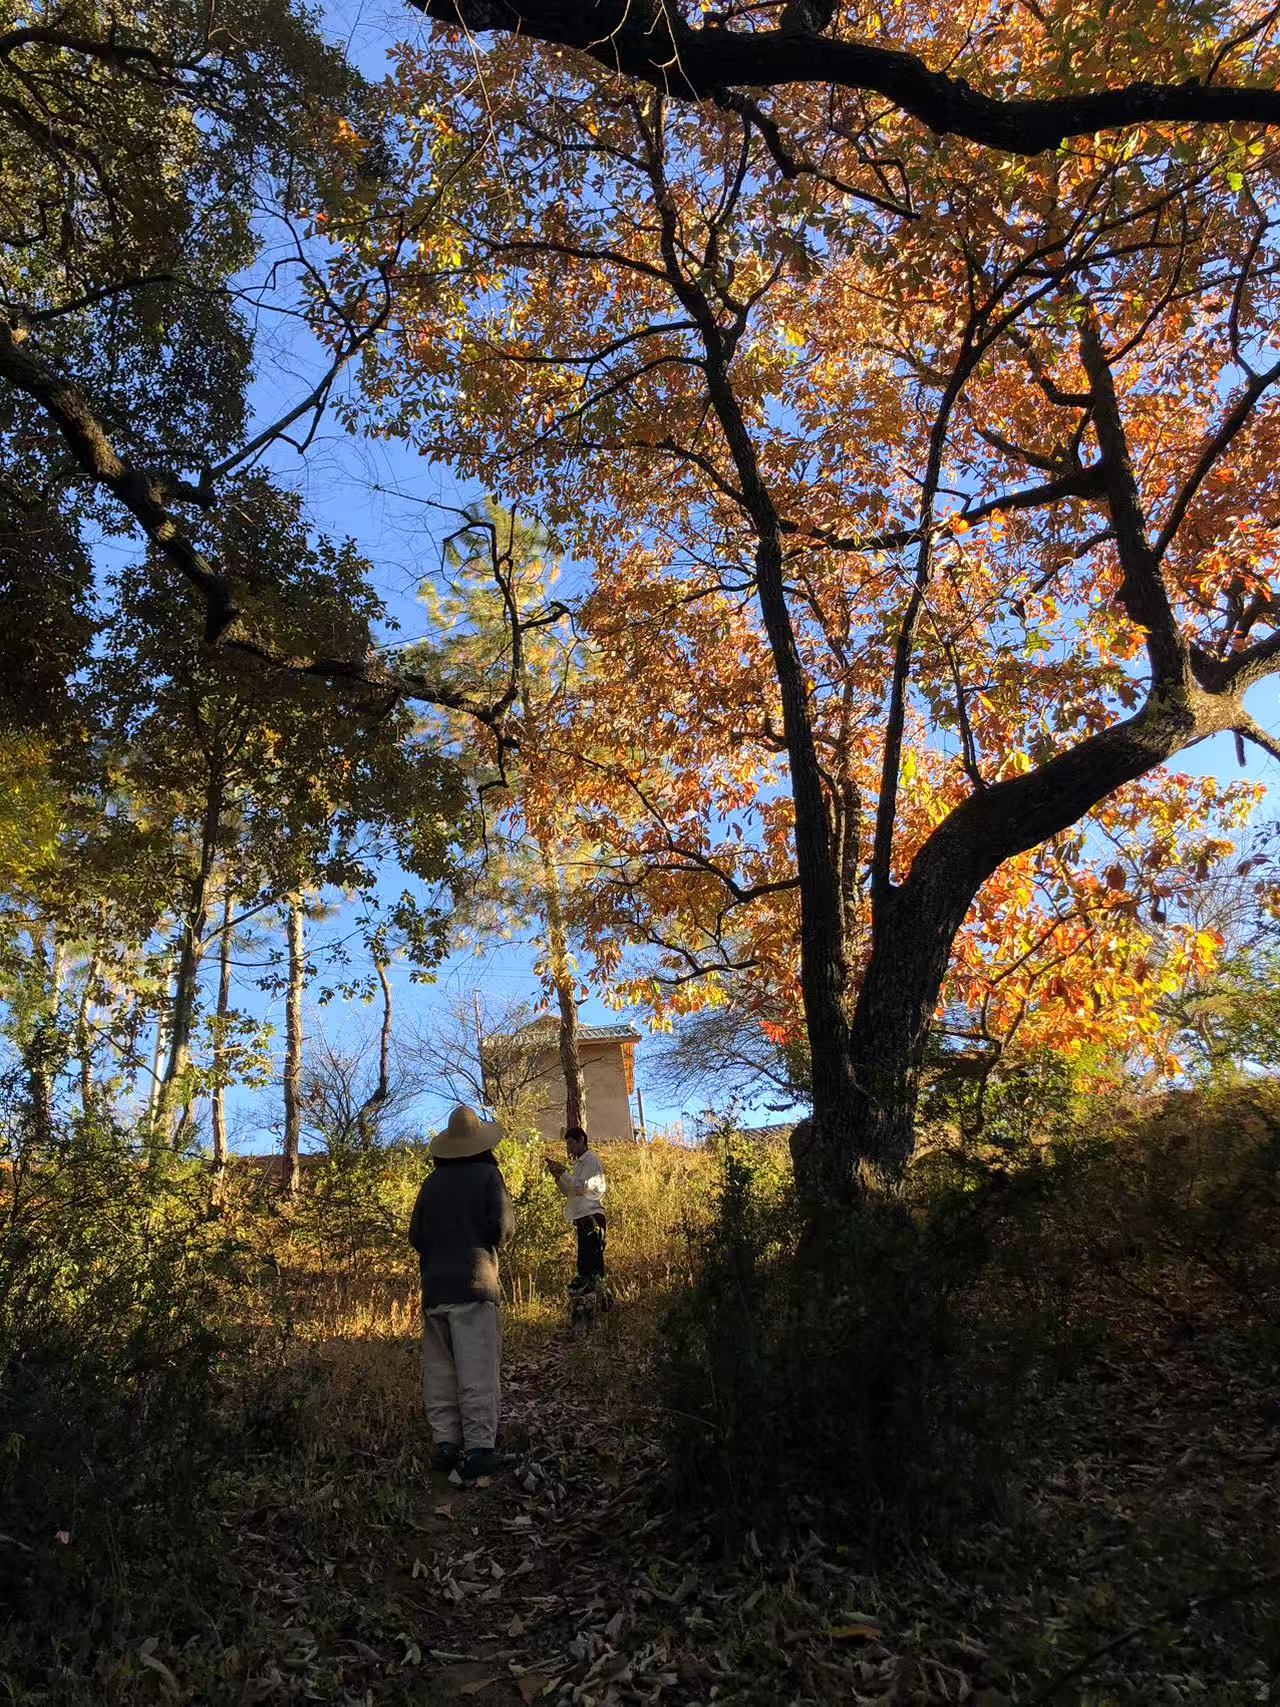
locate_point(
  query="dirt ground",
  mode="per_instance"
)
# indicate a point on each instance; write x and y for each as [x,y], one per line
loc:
[1136,1561]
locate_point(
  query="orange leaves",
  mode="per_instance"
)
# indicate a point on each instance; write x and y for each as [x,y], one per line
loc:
[912,385]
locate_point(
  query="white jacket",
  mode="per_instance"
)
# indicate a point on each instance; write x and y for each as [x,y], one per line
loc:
[583,1186]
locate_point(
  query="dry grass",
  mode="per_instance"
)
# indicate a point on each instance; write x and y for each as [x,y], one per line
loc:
[334,1318]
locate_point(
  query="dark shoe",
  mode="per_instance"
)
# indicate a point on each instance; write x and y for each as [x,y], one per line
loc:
[580,1283]
[445,1456]
[479,1461]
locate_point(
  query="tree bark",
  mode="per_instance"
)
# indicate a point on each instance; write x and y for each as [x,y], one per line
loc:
[190,955]
[562,982]
[290,1167]
[366,1119]
[157,1055]
[84,1035]
[42,1048]
[219,1047]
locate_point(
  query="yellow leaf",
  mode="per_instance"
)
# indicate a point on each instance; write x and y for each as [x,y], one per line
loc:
[860,1631]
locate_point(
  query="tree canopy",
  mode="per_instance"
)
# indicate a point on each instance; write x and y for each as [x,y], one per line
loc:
[940,471]
[914,442]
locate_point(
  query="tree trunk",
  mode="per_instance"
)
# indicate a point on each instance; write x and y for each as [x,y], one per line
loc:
[821,868]
[868,1140]
[40,1055]
[890,1032]
[366,1119]
[290,1168]
[189,958]
[220,1046]
[84,1035]
[157,1056]
[562,982]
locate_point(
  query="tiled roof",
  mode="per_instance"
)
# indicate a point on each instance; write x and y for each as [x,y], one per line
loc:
[549,1026]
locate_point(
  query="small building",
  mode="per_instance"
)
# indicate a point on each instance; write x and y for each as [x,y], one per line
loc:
[530,1059]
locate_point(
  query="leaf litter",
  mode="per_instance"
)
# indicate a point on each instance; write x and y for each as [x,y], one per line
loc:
[571,1581]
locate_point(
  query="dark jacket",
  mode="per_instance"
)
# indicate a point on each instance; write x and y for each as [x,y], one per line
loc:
[463,1214]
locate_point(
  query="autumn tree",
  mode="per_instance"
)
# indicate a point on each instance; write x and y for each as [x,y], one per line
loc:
[984,436]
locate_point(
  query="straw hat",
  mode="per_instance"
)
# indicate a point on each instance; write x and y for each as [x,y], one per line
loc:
[466,1135]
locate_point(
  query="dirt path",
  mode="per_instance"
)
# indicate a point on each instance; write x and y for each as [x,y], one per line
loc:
[565,1578]
[569,1580]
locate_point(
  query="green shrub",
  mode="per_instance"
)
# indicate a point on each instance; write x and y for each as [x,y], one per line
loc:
[832,1379]
[534,1264]
[114,1293]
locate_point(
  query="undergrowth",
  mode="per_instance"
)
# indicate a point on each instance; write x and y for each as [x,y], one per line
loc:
[165,1347]
[882,1381]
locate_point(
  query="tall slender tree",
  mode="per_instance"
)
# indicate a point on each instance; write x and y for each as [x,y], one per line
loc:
[290,1165]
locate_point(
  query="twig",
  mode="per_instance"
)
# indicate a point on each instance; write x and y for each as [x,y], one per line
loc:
[1179,1613]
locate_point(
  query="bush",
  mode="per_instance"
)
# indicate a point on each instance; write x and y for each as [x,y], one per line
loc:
[534,1263]
[339,1248]
[1164,1214]
[884,1379]
[829,1379]
[114,1287]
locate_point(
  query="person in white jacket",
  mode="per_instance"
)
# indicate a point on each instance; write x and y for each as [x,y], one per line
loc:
[583,1187]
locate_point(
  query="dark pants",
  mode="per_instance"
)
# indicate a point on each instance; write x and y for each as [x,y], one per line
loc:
[591,1237]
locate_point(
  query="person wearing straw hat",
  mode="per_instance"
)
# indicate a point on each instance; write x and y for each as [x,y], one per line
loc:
[462,1217]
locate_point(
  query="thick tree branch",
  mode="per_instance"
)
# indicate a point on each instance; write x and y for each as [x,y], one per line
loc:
[1247,668]
[1253,731]
[1142,590]
[146,498]
[649,40]
[1020,812]
[141,494]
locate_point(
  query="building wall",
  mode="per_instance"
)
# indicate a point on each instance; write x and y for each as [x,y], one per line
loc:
[604,1078]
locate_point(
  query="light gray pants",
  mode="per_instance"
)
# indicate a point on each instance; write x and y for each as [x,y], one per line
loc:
[461,1359]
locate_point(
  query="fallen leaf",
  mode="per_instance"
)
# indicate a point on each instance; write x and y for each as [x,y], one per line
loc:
[146,1653]
[516,1626]
[862,1631]
[533,1684]
[475,1688]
